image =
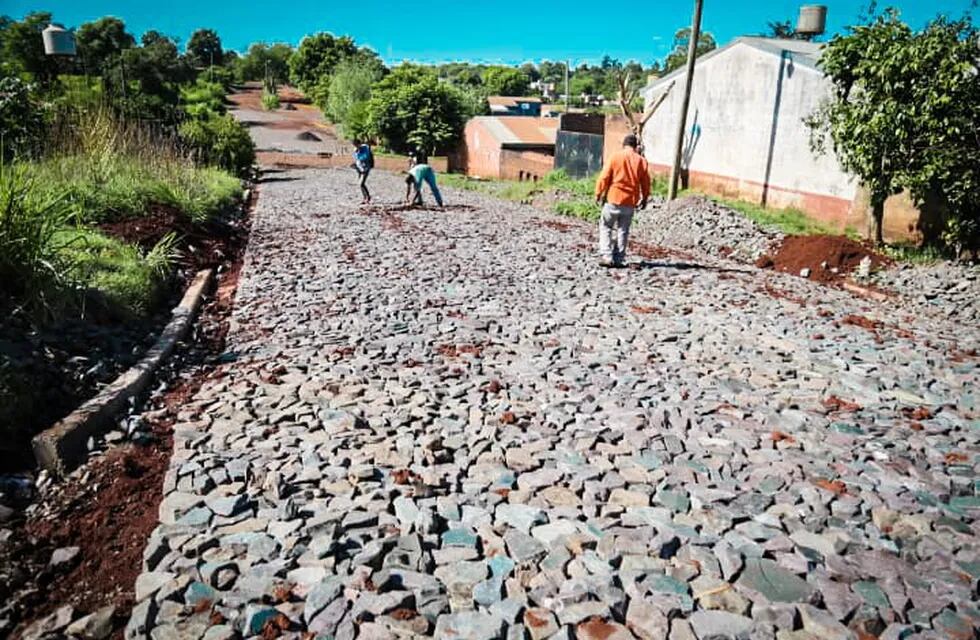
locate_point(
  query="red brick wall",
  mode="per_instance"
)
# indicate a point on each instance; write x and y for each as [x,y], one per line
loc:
[525,165]
[479,152]
[617,128]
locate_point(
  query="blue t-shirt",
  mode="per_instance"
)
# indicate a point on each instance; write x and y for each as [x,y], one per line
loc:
[364,158]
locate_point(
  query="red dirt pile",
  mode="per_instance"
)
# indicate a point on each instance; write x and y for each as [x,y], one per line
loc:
[828,258]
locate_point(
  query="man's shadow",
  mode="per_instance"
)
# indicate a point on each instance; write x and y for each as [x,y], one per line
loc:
[681,266]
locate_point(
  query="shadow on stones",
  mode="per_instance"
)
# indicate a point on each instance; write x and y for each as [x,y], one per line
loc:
[277,179]
[682,266]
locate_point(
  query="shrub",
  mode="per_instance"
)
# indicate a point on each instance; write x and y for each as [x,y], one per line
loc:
[410,109]
[270,101]
[32,268]
[220,141]
[123,275]
[350,89]
[21,118]
[203,99]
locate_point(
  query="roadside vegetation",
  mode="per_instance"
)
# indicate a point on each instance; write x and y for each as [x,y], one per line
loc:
[904,117]
[106,170]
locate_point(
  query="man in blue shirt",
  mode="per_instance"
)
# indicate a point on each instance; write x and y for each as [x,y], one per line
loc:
[363,163]
[419,171]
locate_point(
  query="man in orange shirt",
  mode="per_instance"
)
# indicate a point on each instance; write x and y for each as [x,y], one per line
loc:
[623,185]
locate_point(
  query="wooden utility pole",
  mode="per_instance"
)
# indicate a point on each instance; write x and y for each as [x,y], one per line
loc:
[692,49]
[567,97]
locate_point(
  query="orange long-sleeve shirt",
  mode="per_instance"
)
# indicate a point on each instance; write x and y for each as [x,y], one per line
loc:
[625,179]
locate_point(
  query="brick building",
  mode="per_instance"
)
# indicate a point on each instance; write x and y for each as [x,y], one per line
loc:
[508,147]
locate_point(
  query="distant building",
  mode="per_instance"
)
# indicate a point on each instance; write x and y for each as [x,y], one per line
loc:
[547,89]
[508,147]
[514,106]
[746,137]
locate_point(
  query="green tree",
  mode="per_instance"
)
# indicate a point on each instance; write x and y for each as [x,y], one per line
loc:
[530,71]
[462,74]
[410,109]
[262,58]
[350,90]
[552,71]
[677,58]
[317,56]
[101,42]
[204,48]
[505,81]
[23,48]
[21,118]
[905,115]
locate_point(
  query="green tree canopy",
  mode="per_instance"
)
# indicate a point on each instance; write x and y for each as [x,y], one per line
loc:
[101,42]
[350,90]
[505,81]
[552,71]
[23,48]
[410,109]
[317,56]
[204,48]
[677,58]
[905,115]
[262,57]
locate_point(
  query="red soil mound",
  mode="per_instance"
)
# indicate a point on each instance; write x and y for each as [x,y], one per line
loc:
[829,258]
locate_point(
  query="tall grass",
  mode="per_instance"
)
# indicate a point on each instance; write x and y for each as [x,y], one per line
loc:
[97,168]
[33,268]
[109,169]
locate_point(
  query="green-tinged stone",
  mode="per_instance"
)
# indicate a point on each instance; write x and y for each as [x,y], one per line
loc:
[697,466]
[256,617]
[972,568]
[952,625]
[505,480]
[960,470]
[501,565]
[458,538]
[556,559]
[965,502]
[771,485]
[774,582]
[919,617]
[667,584]
[676,501]
[648,461]
[926,499]
[811,554]
[871,593]
[847,428]
[198,592]
[945,522]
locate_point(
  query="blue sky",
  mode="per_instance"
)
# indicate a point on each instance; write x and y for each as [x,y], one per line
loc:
[473,30]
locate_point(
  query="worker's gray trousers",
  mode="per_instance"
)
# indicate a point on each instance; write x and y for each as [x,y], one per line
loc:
[614,231]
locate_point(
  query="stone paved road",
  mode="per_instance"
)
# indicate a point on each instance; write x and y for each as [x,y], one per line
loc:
[452,423]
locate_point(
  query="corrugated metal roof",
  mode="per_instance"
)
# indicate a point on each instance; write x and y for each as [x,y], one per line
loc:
[511,101]
[520,131]
[804,53]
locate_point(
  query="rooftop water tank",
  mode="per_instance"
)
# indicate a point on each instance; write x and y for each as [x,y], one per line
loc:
[58,41]
[813,20]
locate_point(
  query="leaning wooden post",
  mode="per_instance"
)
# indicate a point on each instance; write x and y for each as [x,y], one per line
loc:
[692,49]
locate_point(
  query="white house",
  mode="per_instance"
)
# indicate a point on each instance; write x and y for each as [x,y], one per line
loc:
[745,135]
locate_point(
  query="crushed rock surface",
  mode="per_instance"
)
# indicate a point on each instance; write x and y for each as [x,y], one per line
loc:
[453,424]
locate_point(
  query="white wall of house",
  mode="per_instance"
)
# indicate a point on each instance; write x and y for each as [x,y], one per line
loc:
[734,106]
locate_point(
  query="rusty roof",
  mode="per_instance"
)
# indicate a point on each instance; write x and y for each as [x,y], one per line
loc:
[520,131]
[511,101]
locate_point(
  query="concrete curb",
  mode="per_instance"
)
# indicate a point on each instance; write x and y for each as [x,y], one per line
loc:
[61,448]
